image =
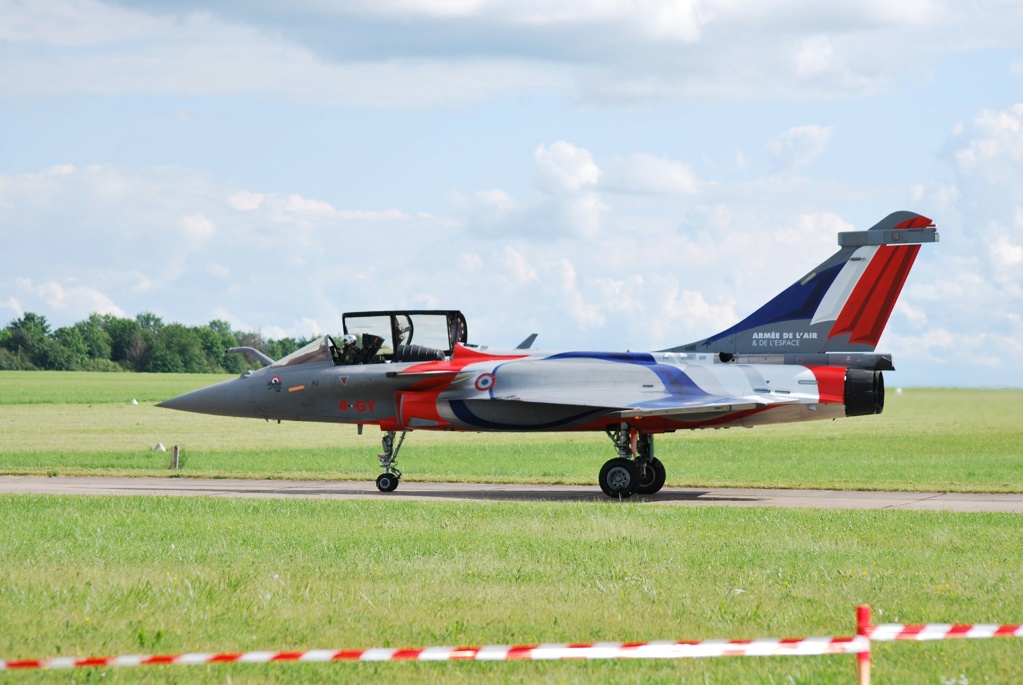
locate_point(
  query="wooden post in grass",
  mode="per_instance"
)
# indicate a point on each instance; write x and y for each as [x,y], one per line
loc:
[174,457]
[863,658]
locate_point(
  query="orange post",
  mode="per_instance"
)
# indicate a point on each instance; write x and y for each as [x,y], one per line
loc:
[863,658]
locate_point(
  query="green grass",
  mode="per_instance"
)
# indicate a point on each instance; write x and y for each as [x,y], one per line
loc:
[933,439]
[104,575]
[86,387]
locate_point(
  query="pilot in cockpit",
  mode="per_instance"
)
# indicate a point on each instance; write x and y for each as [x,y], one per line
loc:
[350,353]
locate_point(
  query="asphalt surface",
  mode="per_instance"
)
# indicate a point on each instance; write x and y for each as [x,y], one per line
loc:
[410,490]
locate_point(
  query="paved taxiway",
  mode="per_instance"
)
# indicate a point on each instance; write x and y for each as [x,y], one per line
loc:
[410,490]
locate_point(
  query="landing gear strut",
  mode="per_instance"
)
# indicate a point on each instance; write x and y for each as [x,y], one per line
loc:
[635,469]
[651,470]
[388,480]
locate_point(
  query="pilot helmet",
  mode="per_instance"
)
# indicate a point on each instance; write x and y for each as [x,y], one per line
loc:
[350,339]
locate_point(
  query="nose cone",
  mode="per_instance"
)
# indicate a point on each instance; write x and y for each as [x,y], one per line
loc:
[228,398]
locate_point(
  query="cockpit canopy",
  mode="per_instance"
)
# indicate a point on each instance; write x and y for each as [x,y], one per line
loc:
[411,334]
[316,351]
[387,336]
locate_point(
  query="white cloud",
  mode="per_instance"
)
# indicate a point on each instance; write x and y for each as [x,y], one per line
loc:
[273,332]
[490,212]
[470,262]
[297,203]
[219,271]
[198,228]
[963,306]
[643,173]
[943,349]
[563,167]
[917,316]
[742,163]
[311,325]
[496,199]
[60,170]
[518,267]
[138,248]
[569,176]
[800,145]
[987,156]
[690,311]
[77,301]
[575,189]
[78,23]
[138,282]
[1005,253]
[620,294]
[935,347]
[244,201]
[990,146]
[453,52]
[940,197]
[815,56]
[562,275]
[672,20]
[373,215]
[818,229]
[194,51]
[582,215]
[14,306]
[606,251]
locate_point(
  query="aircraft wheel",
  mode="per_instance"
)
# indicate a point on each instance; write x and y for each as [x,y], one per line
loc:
[387,482]
[619,477]
[651,478]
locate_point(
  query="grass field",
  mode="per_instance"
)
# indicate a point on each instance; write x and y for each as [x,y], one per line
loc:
[108,575]
[104,575]
[82,423]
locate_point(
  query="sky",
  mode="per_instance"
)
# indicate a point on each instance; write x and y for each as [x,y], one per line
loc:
[611,175]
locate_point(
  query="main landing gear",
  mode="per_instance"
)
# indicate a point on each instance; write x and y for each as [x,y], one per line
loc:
[635,469]
[388,480]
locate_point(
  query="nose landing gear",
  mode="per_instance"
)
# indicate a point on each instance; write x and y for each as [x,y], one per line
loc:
[388,480]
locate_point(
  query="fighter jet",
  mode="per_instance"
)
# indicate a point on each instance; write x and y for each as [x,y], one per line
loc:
[808,354]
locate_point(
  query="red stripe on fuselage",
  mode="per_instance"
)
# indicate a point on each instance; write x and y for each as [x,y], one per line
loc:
[420,400]
[419,405]
[461,358]
[830,383]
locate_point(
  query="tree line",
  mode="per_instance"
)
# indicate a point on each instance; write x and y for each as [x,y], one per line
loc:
[104,342]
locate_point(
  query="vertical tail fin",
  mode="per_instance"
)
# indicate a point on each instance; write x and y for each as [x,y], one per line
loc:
[842,305]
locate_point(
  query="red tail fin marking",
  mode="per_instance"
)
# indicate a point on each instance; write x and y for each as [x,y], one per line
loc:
[872,300]
[916,222]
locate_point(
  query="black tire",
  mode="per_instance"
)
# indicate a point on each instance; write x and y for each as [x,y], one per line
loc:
[387,482]
[651,478]
[619,478]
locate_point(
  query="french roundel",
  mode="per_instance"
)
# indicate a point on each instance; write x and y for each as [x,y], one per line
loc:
[485,381]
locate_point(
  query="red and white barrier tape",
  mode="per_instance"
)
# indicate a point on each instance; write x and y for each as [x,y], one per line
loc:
[887,632]
[858,644]
[601,650]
